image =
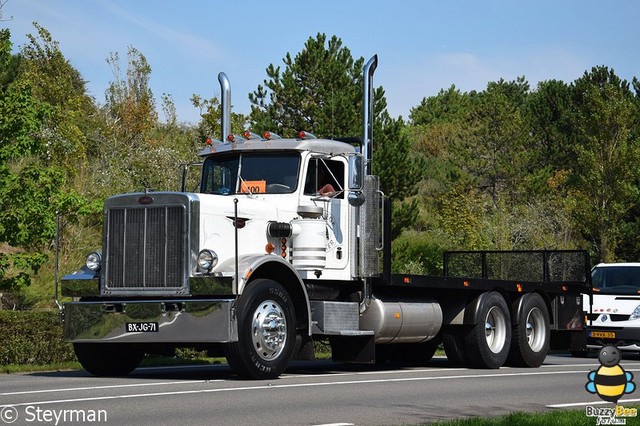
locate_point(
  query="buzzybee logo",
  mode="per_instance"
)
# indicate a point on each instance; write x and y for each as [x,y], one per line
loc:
[610,381]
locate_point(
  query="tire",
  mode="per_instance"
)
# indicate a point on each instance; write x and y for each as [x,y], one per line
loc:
[454,348]
[531,335]
[488,342]
[266,331]
[108,360]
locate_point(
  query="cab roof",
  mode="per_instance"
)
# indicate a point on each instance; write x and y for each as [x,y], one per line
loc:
[320,146]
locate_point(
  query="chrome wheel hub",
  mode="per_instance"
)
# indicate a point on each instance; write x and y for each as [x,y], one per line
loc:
[495,329]
[269,330]
[535,330]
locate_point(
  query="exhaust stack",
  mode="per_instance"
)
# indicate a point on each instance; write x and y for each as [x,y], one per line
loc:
[369,212]
[225,106]
[367,108]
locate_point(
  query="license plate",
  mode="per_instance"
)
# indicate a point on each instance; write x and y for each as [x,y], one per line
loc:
[603,334]
[142,327]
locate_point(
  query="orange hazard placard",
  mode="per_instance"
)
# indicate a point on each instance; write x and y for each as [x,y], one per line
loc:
[253,186]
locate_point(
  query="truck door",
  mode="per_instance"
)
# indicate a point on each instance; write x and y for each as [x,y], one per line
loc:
[325,186]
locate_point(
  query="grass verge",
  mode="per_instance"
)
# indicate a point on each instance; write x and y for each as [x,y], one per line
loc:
[559,418]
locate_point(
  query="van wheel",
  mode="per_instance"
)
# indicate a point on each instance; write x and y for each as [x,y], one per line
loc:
[108,360]
[488,342]
[530,337]
[266,331]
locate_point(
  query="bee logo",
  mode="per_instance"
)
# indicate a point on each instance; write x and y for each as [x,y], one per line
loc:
[610,381]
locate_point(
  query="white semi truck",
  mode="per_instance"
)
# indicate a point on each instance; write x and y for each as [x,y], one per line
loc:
[257,263]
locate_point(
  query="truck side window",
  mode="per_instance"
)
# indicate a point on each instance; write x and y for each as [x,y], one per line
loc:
[325,177]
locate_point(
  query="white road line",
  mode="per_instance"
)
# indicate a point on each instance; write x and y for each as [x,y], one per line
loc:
[337,424]
[107,387]
[292,385]
[579,404]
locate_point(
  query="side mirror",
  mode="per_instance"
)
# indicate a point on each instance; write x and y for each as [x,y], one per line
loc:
[356,180]
[356,172]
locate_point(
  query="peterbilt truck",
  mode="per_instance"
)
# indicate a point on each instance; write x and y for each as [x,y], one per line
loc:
[287,241]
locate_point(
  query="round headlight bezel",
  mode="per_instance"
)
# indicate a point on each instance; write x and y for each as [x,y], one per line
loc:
[94,261]
[207,260]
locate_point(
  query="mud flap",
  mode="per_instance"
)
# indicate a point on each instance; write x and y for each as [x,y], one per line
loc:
[355,348]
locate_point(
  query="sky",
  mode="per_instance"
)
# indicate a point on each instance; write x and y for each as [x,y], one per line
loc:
[423,46]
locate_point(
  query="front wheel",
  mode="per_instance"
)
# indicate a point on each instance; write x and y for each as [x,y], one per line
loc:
[108,360]
[489,341]
[266,331]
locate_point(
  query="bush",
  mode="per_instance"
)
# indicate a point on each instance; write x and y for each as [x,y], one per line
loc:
[32,337]
[417,253]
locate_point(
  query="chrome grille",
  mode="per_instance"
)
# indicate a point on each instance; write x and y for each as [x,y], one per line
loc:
[145,248]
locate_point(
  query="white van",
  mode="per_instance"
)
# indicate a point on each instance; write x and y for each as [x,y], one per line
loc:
[615,314]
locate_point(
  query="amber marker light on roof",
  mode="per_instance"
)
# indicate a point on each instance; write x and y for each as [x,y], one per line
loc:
[269,248]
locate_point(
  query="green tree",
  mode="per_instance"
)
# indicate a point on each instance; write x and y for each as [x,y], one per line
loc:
[447,106]
[210,119]
[399,168]
[31,190]
[320,90]
[494,155]
[606,146]
[57,83]
[130,104]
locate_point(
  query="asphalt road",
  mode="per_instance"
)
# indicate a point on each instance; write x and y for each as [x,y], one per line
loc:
[310,393]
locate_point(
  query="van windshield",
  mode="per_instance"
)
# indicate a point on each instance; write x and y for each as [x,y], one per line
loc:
[616,279]
[241,173]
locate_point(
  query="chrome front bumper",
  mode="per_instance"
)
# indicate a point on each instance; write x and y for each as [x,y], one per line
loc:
[178,321]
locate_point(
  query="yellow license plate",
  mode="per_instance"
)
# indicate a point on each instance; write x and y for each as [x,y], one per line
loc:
[603,334]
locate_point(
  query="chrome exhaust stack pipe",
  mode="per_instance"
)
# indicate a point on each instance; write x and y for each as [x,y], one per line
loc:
[367,109]
[225,106]
[368,213]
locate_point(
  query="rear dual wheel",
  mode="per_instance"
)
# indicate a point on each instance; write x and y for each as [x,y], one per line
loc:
[488,342]
[531,335]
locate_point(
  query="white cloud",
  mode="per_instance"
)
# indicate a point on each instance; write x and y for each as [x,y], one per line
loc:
[408,84]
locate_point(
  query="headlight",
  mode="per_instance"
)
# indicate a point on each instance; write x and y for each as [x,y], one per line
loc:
[94,261]
[635,314]
[207,259]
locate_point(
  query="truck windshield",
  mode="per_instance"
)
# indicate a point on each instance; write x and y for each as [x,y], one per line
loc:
[251,174]
[616,279]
